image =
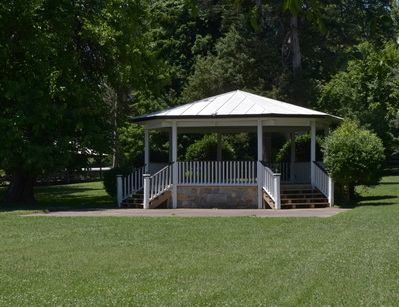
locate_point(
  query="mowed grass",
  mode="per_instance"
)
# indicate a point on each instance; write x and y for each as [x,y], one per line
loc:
[351,259]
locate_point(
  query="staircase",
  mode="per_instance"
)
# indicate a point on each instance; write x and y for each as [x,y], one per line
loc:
[302,196]
[134,201]
[137,200]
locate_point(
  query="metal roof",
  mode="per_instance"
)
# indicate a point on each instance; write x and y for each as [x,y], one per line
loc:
[232,105]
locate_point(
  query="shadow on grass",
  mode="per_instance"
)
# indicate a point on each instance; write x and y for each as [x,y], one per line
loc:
[367,201]
[63,197]
[388,183]
[376,200]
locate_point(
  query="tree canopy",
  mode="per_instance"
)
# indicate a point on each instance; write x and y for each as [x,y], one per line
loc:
[367,91]
[57,59]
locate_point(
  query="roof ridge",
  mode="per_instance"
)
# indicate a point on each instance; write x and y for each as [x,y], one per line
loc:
[250,98]
[233,93]
[210,100]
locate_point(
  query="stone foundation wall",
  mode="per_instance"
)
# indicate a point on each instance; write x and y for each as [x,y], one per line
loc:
[222,197]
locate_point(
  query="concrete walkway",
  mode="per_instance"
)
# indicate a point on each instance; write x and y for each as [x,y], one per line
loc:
[325,212]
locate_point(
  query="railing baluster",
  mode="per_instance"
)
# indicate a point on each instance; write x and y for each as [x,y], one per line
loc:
[203,172]
[192,171]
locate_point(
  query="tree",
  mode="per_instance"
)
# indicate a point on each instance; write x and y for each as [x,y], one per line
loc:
[368,91]
[57,58]
[353,156]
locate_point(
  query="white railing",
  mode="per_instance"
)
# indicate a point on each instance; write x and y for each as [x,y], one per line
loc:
[298,172]
[282,168]
[217,173]
[160,182]
[130,184]
[323,182]
[271,185]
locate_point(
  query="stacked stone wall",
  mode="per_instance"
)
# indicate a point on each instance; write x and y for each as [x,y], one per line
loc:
[221,197]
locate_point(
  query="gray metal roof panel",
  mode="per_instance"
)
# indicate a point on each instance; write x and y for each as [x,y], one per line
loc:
[234,104]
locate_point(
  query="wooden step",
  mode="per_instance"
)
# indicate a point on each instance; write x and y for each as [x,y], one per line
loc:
[137,200]
[303,196]
[303,201]
[304,205]
[134,201]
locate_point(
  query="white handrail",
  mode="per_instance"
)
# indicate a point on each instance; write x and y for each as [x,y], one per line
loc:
[282,168]
[271,185]
[160,182]
[129,184]
[324,182]
[217,173]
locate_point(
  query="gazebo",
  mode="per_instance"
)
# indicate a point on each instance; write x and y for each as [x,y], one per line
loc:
[230,184]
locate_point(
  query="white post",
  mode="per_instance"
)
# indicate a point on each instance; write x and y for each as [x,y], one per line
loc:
[146,204]
[312,151]
[170,147]
[259,174]
[175,166]
[146,149]
[330,191]
[292,166]
[119,193]
[276,179]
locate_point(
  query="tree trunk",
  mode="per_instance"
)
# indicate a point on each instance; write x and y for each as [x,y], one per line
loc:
[20,189]
[298,89]
[351,191]
[296,51]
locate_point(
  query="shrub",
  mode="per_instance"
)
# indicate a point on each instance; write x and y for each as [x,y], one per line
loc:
[109,180]
[353,156]
[206,149]
[302,149]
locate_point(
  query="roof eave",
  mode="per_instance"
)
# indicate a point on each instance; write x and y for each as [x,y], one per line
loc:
[143,119]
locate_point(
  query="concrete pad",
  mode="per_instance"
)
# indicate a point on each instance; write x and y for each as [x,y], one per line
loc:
[324,212]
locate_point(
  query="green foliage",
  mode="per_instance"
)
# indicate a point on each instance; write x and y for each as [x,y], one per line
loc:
[241,61]
[353,156]
[58,61]
[368,91]
[394,133]
[206,149]
[51,101]
[110,184]
[302,149]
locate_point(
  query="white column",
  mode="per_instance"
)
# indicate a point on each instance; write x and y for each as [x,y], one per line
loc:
[260,148]
[312,150]
[170,147]
[146,149]
[146,196]
[330,181]
[330,191]
[219,147]
[292,162]
[175,166]
[119,194]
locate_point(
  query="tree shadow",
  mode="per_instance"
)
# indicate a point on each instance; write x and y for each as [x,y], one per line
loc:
[376,200]
[367,201]
[62,197]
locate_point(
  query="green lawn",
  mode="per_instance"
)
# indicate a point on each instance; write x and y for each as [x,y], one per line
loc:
[351,259]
